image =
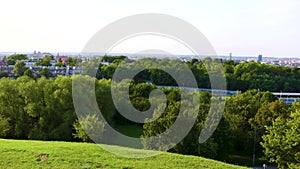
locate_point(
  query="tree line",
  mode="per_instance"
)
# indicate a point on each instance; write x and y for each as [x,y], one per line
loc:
[242,76]
[42,109]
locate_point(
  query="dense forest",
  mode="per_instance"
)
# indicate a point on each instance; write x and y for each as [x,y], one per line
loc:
[242,76]
[253,121]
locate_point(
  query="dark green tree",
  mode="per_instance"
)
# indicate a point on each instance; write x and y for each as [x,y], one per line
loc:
[28,73]
[45,72]
[45,61]
[19,68]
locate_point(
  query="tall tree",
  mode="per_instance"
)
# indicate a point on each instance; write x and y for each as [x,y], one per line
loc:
[282,143]
[45,72]
[19,68]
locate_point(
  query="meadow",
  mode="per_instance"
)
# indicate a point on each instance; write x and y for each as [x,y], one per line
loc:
[50,154]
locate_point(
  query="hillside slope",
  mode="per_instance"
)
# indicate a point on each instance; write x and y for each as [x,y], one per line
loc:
[43,154]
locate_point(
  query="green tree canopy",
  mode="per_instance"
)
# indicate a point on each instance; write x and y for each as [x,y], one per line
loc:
[282,144]
[19,68]
[45,61]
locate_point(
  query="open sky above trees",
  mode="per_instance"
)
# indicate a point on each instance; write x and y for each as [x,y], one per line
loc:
[268,27]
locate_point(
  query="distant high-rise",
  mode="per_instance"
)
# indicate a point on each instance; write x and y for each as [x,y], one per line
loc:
[259,58]
[230,56]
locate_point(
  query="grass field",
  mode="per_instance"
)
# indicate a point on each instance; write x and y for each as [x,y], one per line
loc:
[42,154]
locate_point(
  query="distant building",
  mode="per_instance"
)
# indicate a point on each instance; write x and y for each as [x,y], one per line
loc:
[63,59]
[276,62]
[37,55]
[52,62]
[30,63]
[260,57]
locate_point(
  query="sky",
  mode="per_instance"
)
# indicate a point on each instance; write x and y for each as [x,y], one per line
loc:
[243,28]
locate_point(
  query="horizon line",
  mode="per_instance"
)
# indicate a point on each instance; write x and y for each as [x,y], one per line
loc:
[128,53]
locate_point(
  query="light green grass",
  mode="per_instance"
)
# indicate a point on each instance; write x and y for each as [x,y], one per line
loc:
[24,154]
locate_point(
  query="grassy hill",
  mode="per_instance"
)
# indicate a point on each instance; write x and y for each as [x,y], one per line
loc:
[43,154]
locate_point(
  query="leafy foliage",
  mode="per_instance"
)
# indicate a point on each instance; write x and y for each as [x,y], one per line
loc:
[282,144]
[45,61]
[12,59]
[91,125]
[19,68]
[242,77]
[4,126]
[45,73]
[42,108]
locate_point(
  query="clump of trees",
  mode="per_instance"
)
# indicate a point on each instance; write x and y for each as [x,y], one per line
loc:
[242,77]
[281,143]
[19,68]
[38,109]
[12,59]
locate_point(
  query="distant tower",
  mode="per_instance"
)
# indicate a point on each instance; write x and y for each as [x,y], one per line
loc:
[259,58]
[230,56]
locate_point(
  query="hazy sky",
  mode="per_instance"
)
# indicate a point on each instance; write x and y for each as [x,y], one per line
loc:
[243,27]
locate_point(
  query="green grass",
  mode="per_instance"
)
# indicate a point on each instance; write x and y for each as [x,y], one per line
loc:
[24,154]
